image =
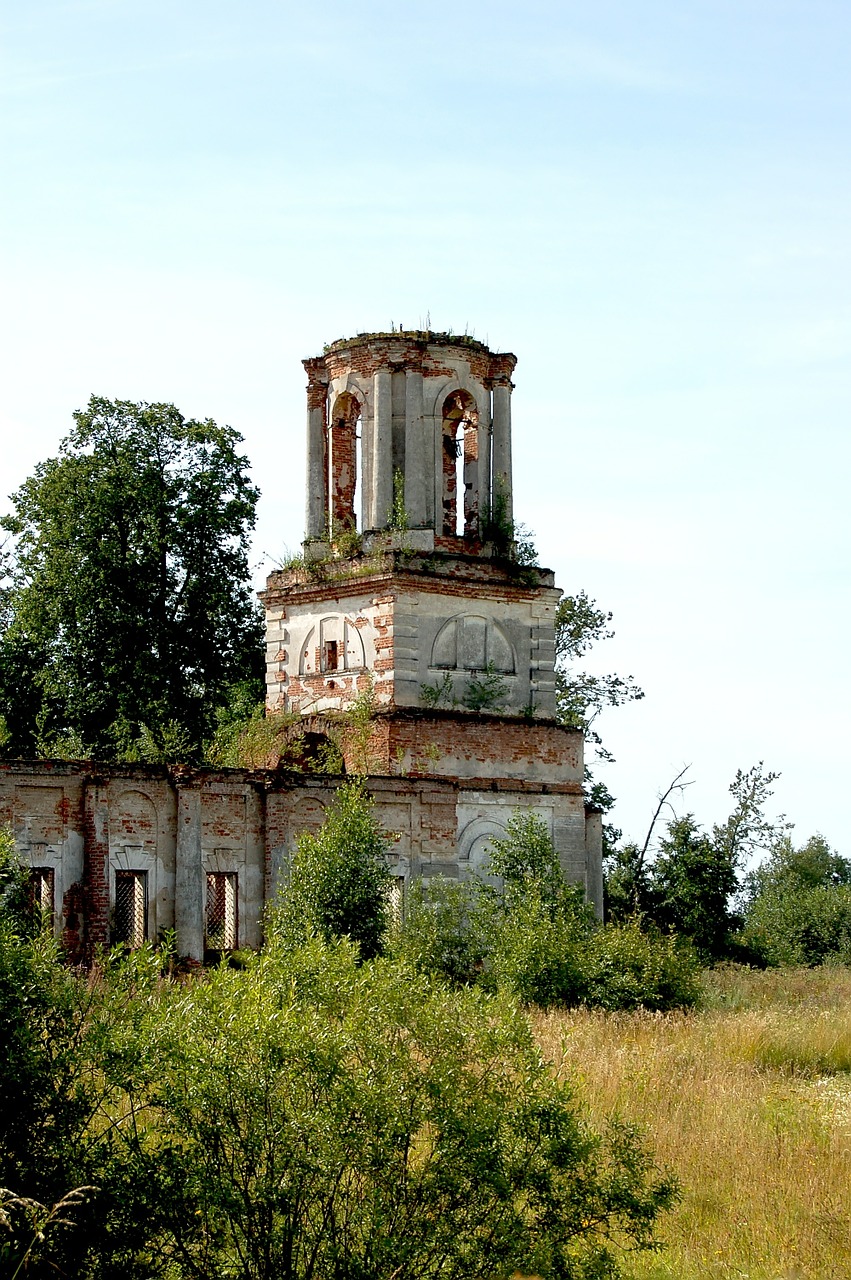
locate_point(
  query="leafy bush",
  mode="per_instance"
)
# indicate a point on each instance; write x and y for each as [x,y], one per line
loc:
[311,1116]
[445,931]
[532,935]
[538,953]
[338,879]
[628,968]
[798,907]
[801,926]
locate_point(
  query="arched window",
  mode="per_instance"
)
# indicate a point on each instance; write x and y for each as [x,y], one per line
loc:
[343,463]
[460,465]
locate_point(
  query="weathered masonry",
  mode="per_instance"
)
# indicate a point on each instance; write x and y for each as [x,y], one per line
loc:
[409,596]
[411,589]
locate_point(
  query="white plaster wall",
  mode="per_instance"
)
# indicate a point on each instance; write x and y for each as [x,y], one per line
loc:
[527,625]
[483,816]
[44,839]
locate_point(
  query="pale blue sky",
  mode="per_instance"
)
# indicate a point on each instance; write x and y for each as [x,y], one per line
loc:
[647,202]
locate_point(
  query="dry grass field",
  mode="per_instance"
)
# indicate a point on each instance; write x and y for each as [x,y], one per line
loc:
[749,1101]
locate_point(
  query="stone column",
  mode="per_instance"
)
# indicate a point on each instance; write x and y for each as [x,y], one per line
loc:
[316,472]
[188,875]
[417,466]
[502,500]
[96,864]
[483,479]
[594,860]
[382,453]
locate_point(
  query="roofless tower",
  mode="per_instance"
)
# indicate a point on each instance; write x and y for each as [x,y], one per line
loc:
[411,587]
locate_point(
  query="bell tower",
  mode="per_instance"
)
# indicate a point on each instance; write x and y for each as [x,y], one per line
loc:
[412,586]
[431,415]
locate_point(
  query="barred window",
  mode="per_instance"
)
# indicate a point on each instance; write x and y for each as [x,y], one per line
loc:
[131,907]
[41,892]
[222,917]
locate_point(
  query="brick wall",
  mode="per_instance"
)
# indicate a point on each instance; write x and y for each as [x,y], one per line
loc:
[248,821]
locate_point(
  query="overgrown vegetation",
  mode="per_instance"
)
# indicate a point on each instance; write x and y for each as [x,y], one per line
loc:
[749,1100]
[688,882]
[338,884]
[313,1114]
[526,931]
[797,905]
[127,610]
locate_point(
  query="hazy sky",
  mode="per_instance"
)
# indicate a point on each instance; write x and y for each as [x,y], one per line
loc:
[647,202]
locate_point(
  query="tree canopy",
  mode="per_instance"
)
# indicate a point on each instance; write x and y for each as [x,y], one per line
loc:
[581,696]
[127,611]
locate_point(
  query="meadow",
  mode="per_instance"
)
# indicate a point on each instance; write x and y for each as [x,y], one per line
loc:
[748,1100]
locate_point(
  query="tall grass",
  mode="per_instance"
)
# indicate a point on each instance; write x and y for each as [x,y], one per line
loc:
[749,1101]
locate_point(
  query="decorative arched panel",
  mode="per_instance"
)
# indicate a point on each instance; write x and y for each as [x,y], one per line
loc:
[470,642]
[307,814]
[474,845]
[133,820]
[334,645]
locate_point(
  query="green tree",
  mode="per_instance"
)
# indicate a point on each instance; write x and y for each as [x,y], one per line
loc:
[689,885]
[338,882]
[797,904]
[525,858]
[129,613]
[694,879]
[581,696]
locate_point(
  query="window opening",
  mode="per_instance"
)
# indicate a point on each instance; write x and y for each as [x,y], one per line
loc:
[460,465]
[344,464]
[131,907]
[330,656]
[42,883]
[396,901]
[222,931]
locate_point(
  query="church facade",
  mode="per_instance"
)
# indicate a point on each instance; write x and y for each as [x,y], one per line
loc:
[411,642]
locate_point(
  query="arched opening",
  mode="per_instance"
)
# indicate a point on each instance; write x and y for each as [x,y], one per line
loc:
[460,465]
[344,464]
[317,753]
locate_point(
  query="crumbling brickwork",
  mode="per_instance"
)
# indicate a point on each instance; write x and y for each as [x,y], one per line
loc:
[433,627]
[177,827]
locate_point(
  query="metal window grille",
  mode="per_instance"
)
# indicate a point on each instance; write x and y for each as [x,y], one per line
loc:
[222,920]
[131,907]
[41,891]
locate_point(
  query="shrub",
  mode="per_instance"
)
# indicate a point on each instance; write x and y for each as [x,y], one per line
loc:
[538,953]
[338,879]
[445,930]
[316,1117]
[630,969]
[526,857]
[798,908]
[796,925]
[533,935]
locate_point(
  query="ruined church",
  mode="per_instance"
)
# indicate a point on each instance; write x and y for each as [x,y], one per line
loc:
[411,601]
